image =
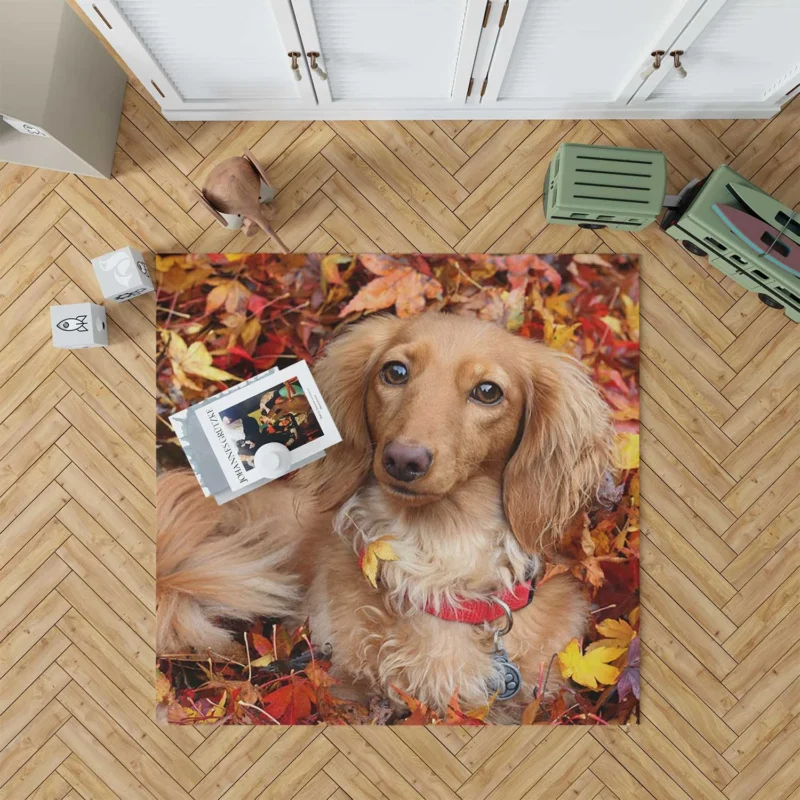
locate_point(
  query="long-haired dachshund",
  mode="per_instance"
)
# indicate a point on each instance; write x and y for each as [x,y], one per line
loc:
[471,448]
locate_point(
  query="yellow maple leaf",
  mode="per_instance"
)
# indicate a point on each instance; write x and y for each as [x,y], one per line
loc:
[193,359]
[218,712]
[560,336]
[181,280]
[617,633]
[164,691]
[631,310]
[375,552]
[183,261]
[634,491]
[560,303]
[264,661]
[626,451]
[592,668]
[329,269]
[613,323]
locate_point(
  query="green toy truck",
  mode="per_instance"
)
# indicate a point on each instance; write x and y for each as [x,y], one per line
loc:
[700,229]
[605,187]
[744,232]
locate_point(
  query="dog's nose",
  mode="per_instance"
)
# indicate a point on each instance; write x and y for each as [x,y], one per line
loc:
[406,462]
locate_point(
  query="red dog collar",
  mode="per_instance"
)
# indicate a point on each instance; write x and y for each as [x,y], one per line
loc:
[475,612]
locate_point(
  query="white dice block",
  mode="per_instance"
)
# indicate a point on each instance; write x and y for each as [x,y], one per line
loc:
[78,325]
[122,275]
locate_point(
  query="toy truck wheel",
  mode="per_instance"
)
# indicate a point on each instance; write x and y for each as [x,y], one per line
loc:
[769,301]
[694,249]
[592,226]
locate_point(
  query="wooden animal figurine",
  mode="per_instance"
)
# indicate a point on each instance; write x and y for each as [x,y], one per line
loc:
[235,192]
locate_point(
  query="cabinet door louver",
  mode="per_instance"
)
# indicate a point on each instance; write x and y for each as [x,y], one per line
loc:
[213,50]
[749,49]
[389,49]
[583,50]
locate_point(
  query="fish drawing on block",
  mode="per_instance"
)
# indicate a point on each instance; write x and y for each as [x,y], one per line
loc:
[77,324]
[765,240]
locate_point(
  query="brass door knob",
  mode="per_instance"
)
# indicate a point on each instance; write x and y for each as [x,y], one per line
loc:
[295,65]
[676,58]
[657,56]
[315,68]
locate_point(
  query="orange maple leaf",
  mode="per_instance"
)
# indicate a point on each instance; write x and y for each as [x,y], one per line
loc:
[457,716]
[396,285]
[420,713]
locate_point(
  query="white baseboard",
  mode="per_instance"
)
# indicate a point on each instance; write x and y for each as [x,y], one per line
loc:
[694,111]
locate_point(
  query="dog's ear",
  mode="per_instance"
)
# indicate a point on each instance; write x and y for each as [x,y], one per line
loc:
[563,450]
[342,375]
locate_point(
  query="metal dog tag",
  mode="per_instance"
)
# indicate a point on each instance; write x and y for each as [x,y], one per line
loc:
[511,677]
[509,681]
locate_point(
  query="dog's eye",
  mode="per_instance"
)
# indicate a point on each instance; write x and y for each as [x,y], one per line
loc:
[394,373]
[487,393]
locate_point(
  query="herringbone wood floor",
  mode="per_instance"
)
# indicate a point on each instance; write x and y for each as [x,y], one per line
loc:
[720,483]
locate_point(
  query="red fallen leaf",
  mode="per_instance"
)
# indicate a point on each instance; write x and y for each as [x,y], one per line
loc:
[290,703]
[421,264]
[558,707]
[256,304]
[262,645]
[240,352]
[265,355]
[623,573]
[607,375]
[627,426]
[228,361]
[547,271]
[627,407]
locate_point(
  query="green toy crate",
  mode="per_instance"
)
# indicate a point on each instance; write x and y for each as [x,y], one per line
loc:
[605,187]
[702,232]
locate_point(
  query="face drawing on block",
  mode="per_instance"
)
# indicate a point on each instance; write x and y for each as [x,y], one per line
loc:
[77,324]
[121,266]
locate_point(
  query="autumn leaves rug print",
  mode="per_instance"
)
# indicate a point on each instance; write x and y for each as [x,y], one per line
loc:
[460,547]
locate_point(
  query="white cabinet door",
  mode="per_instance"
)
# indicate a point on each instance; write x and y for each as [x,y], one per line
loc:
[206,53]
[578,53]
[391,53]
[743,51]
